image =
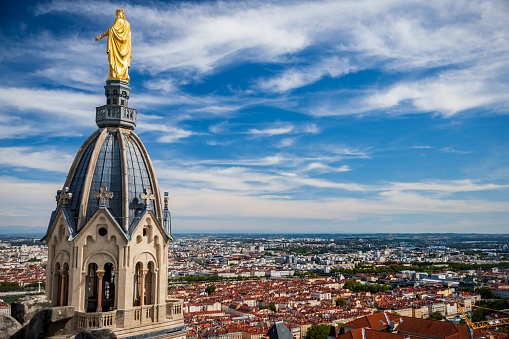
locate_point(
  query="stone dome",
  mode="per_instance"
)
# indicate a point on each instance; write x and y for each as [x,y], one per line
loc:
[113,157]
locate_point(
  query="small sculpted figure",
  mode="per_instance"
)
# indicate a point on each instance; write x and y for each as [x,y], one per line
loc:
[118,47]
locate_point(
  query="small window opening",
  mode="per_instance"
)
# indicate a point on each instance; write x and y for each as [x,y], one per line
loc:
[114,101]
[122,102]
[144,232]
[108,102]
[103,231]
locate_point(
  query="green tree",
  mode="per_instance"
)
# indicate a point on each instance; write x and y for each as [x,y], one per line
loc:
[318,331]
[486,293]
[9,286]
[340,302]
[210,289]
[436,316]
[271,307]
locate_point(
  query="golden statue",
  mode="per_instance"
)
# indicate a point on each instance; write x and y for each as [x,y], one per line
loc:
[119,47]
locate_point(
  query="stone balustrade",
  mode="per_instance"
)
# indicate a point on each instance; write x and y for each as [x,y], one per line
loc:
[114,115]
[96,320]
[174,308]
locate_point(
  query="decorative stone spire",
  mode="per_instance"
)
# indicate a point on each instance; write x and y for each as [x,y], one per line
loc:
[166,215]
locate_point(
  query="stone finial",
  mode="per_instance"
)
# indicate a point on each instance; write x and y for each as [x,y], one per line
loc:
[102,195]
[147,196]
[63,196]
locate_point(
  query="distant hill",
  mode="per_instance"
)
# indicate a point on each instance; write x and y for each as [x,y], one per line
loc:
[22,230]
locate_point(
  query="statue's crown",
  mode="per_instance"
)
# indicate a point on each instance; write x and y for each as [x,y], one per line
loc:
[119,10]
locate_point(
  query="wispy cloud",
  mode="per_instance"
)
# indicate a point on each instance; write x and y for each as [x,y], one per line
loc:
[48,160]
[449,93]
[452,150]
[287,128]
[171,134]
[297,77]
[446,186]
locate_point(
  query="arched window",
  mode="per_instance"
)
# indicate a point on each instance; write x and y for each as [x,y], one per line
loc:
[108,299]
[64,277]
[56,285]
[91,288]
[150,285]
[137,284]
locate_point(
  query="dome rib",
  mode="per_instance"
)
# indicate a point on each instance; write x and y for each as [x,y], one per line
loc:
[152,176]
[89,177]
[125,176]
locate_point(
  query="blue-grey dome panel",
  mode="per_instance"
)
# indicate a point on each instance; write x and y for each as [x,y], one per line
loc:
[139,180]
[78,181]
[107,172]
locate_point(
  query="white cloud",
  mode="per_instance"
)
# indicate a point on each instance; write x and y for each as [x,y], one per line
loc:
[280,128]
[285,142]
[285,129]
[165,85]
[449,93]
[296,77]
[445,186]
[311,129]
[31,205]
[48,160]
[171,134]
[322,168]
[452,150]
[66,105]
[223,203]
[421,147]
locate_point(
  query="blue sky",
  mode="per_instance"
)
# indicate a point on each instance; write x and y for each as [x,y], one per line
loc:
[284,116]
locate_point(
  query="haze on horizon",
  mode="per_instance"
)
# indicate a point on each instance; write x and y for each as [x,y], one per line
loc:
[284,117]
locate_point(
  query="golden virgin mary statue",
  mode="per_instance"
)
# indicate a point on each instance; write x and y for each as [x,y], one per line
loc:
[119,47]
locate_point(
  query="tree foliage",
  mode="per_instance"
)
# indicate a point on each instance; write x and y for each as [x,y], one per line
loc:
[9,286]
[486,293]
[318,331]
[210,289]
[436,316]
[271,307]
[340,302]
[478,314]
[355,286]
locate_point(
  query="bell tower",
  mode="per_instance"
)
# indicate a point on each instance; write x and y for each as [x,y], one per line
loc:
[108,236]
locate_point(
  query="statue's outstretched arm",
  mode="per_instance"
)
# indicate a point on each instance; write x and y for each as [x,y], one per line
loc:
[101,36]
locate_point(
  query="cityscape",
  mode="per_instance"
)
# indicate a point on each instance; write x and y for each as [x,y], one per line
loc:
[238,286]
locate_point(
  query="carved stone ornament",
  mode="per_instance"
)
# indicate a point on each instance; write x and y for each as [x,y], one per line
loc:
[64,196]
[102,195]
[147,196]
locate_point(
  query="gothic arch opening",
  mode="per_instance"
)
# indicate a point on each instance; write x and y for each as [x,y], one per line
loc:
[108,302]
[56,285]
[150,284]
[100,288]
[137,284]
[64,283]
[91,288]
